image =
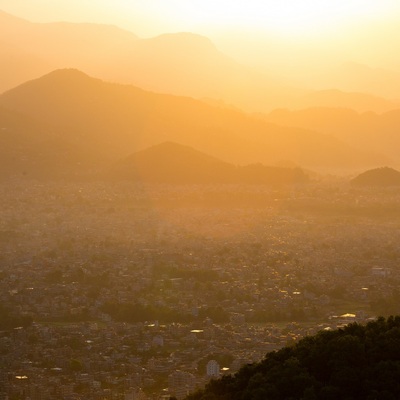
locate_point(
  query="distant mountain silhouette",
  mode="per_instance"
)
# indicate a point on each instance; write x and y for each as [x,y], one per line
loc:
[360,102]
[177,63]
[378,177]
[174,163]
[28,50]
[357,77]
[367,131]
[111,121]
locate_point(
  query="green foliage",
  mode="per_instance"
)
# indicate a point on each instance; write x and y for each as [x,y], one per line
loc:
[356,362]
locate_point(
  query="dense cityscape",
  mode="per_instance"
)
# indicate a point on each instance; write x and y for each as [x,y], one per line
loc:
[130,291]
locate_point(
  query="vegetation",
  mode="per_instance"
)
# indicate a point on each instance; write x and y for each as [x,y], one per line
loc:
[354,362]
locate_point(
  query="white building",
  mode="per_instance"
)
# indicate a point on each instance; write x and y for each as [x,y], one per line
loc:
[213,369]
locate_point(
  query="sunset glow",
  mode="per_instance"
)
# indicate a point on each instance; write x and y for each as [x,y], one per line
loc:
[282,17]
[289,17]
[189,186]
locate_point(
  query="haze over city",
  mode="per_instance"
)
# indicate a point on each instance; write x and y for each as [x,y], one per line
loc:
[197,190]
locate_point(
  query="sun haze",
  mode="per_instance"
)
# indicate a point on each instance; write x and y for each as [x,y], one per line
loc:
[347,45]
[287,17]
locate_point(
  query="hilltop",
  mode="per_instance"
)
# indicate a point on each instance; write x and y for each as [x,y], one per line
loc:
[174,163]
[181,63]
[354,362]
[109,121]
[384,176]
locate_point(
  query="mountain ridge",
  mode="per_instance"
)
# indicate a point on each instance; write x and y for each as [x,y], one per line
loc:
[375,132]
[118,119]
[157,63]
[171,162]
[336,98]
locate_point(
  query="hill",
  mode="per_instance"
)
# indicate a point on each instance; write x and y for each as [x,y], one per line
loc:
[111,121]
[174,163]
[378,177]
[355,362]
[368,131]
[360,102]
[178,63]
[31,49]
[357,77]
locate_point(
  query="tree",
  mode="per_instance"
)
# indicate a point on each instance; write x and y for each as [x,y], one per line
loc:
[356,362]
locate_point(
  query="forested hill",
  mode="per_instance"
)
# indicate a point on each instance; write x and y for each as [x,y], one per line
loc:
[356,362]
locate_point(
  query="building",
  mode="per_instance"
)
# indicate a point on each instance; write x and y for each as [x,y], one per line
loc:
[213,369]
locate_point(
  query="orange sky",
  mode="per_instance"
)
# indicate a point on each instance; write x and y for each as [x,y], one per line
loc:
[284,50]
[298,38]
[148,18]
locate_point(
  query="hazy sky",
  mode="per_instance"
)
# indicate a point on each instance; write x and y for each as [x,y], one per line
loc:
[275,34]
[152,17]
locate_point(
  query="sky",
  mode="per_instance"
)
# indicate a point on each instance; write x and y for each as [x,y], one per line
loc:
[262,33]
[152,17]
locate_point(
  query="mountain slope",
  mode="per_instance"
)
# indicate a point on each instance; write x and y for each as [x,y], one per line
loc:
[360,102]
[174,163]
[178,63]
[356,77]
[369,131]
[31,49]
[115,120]
[355,362]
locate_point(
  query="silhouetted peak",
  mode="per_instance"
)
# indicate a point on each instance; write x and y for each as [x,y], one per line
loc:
[173,163]
[383,176]
[68,80]
[66,73]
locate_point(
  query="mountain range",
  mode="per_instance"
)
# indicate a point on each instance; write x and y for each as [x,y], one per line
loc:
[371,131]
[104,122]
[334,98]
[171,162]
[182,63]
